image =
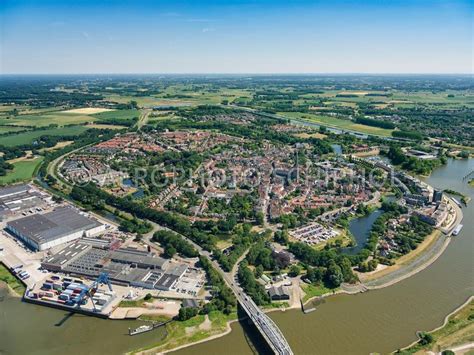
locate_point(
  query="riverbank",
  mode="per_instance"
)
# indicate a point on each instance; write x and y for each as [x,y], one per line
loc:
[428,251]
[15,286]
[405,260]
[191,332]
[457,330]
[408,265]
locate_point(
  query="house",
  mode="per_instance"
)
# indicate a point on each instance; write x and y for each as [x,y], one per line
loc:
[278,293]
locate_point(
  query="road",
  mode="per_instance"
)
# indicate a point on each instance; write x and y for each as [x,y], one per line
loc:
[269,330]
[143,119]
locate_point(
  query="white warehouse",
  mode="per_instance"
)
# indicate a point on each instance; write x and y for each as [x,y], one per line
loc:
[44,231]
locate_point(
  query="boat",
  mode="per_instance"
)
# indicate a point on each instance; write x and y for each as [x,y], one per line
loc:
[140,329]
[147,328]
[457,229]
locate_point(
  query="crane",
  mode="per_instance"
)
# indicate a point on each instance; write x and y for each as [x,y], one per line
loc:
[103,278]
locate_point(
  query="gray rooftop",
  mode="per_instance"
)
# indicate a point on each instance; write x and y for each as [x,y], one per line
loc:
[9,190]
[140,258]
[43,228]
[278,291]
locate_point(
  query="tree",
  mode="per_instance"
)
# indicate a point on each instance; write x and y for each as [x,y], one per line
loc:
[148,297]
[259,271]
[281,237]
[260,218]
[334,276]
[170,251]
[426,338]
[294,270]
[186,313]
[315,275]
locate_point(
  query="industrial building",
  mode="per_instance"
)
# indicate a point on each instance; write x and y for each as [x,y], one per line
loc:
[64,224]
[18,198]
[125,266]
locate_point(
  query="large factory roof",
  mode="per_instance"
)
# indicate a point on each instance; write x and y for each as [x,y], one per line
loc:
[12,190]
[140,258]
[42,228]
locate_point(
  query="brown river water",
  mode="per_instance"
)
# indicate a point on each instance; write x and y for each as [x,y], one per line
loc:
[375,321]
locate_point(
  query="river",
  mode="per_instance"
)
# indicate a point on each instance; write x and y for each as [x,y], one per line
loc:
[386,319]
[375,321]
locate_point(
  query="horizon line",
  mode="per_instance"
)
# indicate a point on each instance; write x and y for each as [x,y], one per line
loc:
[245,73]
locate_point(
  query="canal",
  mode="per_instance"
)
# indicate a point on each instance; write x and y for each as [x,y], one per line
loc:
[376,321]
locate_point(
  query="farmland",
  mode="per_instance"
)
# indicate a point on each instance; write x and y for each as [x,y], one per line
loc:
[117,115]
[337,123]
[10,129]
[22,170]
[31,136]
[44,120]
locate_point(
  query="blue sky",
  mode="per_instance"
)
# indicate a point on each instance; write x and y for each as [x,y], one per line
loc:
[238,36]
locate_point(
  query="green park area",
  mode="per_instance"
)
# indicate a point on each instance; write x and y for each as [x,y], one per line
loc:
[192,330]
[311,291]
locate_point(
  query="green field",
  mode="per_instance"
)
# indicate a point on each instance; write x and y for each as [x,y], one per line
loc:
[29,137]
[182,95]
[43,120]
[338,123]
[314,291]
[8,129]
[22,171]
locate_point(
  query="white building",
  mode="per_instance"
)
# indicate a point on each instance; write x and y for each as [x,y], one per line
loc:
[44,231]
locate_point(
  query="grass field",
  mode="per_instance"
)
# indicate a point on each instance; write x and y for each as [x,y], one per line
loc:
[192,330]
[8,129]
[29,137]
[43,120]
[338,123]
[314,291]
[22,171]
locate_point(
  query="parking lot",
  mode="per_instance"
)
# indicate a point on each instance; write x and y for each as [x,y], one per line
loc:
[13,253]
[190,284]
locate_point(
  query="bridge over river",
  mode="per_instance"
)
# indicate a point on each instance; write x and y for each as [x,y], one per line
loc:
[265,325]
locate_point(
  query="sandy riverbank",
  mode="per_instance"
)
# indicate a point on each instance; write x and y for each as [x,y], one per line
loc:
[215,336]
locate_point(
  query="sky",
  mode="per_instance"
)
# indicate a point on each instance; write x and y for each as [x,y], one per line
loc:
[236,36]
